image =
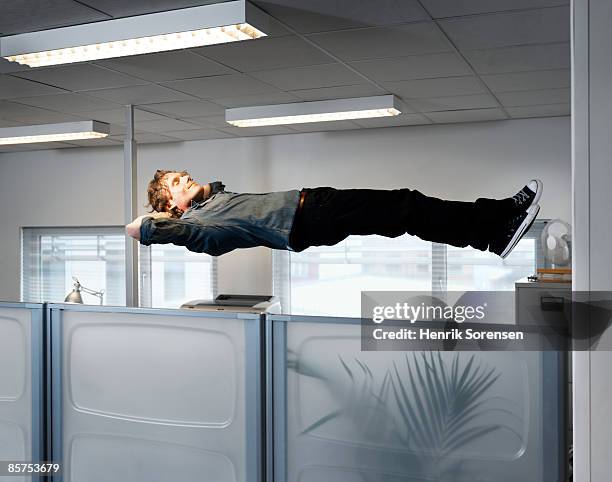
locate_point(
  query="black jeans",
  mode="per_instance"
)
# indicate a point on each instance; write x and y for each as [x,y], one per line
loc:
[329,215]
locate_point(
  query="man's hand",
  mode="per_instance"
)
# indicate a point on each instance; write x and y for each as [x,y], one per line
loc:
[133,229]
[157,215]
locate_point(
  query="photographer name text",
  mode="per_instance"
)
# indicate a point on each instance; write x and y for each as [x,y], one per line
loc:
[452,334]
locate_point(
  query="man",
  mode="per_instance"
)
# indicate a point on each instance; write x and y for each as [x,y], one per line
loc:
[205,218]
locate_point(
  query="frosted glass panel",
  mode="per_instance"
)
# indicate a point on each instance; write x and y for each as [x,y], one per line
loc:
[358,379]
[12,354]
[155,461]
[387,416]
[12,441]
[132,368]
[15,385]
[160,397]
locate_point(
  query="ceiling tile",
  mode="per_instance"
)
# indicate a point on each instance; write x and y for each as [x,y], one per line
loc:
[535,97]
[325,15]
[145,94]
[520,59]
[410,60]
[454,103]
[220,86]
[10,123]
[12,87]
[551,110]
[21,16]
[192,108]
[444,86]
[542,79]
[104,142]
[295,78]
[506,29]
[323,126]
[456,8]
[44,116]
[398,120]
[259,99]
[474,115]
[167,66]
[68,103]
[343,92]
[119,130]
[148,138]
[121,8]
[166,125]
[200,134]
[403,107]
[211,122]
[266,53]
[10,109]
[79,77]
[117,116]
[7,67]
[384,42]
[257,131]
[413,67]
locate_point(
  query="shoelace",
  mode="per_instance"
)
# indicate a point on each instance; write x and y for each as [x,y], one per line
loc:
[520,197]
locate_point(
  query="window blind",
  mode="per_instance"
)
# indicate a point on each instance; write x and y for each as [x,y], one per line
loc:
[52,256]
[328,280]
[169,275]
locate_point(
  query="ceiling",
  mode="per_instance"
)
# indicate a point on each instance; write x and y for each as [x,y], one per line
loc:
[447,60]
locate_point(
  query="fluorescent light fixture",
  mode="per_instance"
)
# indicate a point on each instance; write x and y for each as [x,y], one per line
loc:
[318,111]
[67,131]
[157,32]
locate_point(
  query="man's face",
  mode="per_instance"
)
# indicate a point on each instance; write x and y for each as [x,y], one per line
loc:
[182,190]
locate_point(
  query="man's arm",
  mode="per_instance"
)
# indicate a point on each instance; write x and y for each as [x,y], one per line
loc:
[199,238]
[133,229]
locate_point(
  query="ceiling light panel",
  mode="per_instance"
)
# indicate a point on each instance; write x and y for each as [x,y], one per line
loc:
[53,132]
[318,111]
[158,32]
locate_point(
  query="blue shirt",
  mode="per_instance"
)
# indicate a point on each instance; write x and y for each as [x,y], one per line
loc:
[226,221]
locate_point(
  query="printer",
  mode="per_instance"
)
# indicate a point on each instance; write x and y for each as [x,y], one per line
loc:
[237,303]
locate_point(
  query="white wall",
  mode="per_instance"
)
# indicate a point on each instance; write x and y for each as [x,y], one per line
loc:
[460,161]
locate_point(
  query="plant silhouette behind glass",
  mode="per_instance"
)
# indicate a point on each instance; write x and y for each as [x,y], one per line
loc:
[430,407]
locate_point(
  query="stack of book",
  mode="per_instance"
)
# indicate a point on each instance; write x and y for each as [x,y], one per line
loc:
[555,275]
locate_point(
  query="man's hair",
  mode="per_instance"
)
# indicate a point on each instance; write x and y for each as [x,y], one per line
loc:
[159,196]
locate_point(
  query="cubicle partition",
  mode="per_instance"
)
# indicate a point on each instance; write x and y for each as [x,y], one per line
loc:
[21,384]
[144,395]
[179,395]
[348,415]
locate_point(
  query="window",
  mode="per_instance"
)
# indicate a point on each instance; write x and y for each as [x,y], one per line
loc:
[328,280]
[473,270]
[51,257]
[169,275]
[359,263]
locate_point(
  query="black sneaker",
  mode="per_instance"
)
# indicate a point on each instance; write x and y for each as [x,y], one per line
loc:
[512,231]
[528,196]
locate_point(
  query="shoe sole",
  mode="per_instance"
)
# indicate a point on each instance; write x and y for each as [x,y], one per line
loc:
[532,214]
[538,193]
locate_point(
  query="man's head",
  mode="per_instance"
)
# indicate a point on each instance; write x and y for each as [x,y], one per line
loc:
[173,192]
